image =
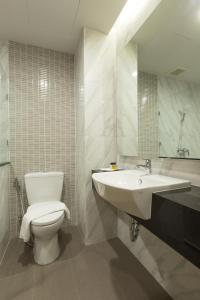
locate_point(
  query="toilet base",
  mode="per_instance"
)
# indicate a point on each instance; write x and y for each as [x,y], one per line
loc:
[46,249]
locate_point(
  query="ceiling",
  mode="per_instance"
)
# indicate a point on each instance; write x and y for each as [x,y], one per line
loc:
[55,24]
[170,40]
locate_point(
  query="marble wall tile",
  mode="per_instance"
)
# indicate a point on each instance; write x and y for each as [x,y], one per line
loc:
[99,110]
[100,137]
[98,134]
[161,100]
[176,97]
[101,218]
[80,139]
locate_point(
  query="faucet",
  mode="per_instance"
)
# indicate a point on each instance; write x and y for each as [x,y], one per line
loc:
[182,151]
[146,166]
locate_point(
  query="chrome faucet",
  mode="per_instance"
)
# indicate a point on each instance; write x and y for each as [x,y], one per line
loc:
[182,151]
[146,166]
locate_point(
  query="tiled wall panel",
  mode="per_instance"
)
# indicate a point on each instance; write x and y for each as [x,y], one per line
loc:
[179,117]
[80,138]
[148,115]
[100,134]
[4,83]
[96,134]
[4,153]
[42,118]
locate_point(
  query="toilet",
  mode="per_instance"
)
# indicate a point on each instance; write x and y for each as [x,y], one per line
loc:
[42,188]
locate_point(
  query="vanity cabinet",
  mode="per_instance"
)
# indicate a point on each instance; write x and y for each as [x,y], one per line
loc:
[175,219]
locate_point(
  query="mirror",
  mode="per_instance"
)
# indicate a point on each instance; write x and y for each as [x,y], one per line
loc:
[127,108]
[169,81]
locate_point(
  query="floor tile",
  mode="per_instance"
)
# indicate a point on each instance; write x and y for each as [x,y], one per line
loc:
[104,271]
[55,281]
[17,287]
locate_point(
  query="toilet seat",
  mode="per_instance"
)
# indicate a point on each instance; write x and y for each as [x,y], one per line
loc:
[48,219]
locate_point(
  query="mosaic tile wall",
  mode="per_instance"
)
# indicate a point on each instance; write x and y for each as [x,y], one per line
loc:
[4,83]
[4,155]
[42,119]
[148,115]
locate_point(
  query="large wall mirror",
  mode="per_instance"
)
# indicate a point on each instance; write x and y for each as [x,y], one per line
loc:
[168,81]
[127,103]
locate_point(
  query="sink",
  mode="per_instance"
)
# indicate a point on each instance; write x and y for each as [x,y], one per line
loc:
[131,190]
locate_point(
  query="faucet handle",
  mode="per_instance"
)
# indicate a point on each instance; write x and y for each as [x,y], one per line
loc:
[148,165]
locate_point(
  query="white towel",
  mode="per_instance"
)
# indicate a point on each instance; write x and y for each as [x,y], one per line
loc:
[38,210]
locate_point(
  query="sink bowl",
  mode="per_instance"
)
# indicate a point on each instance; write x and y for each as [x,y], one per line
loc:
[131,190]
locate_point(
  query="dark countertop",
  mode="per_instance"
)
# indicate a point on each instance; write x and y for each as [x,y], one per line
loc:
[189,197]
[175,219]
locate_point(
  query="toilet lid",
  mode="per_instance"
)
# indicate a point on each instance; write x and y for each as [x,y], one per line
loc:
[48,219]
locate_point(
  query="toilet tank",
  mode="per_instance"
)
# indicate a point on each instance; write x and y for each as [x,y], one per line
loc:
[42,187]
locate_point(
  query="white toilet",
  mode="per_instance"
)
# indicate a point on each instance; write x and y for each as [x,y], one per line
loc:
[44,187]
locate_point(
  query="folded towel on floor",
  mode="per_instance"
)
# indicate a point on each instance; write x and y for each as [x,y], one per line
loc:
[39,210]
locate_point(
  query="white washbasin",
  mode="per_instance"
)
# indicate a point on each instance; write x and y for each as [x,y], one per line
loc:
[131,190]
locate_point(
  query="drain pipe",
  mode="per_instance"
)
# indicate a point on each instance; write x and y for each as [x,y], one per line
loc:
[134,229]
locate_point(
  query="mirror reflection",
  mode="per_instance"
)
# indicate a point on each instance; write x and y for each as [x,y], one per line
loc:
[169,81]
[127,107]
